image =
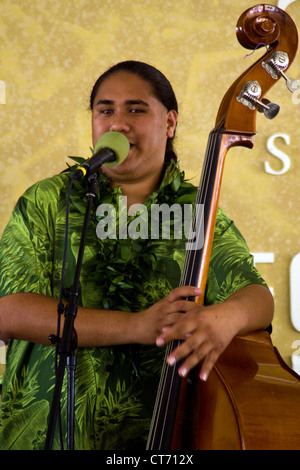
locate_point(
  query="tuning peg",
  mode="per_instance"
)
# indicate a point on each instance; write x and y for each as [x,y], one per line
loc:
[249,96]
[275,66]
[269,109]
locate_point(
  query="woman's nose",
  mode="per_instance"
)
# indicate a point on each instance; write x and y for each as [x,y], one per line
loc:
[119,123]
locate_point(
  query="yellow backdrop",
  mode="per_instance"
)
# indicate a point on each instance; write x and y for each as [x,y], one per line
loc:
[51,53]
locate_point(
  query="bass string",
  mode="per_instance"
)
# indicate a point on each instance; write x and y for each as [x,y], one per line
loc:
[201,199]
[167,376]
[165,386]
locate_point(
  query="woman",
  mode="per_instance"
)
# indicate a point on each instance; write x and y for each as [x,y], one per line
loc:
[129,302]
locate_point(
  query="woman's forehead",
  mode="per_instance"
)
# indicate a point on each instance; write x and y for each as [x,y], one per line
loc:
[123,80]
[125,86]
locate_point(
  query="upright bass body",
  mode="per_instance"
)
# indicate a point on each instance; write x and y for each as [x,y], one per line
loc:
[251,399]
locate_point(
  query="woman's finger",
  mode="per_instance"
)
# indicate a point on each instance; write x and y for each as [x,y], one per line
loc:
[182,292]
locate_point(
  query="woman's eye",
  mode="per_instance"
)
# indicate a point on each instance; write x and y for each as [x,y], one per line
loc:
[136,110]
[107,111]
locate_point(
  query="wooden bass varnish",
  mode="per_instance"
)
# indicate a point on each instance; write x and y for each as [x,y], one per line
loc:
[251,399]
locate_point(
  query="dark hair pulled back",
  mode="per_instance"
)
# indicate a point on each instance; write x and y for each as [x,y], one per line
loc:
[162,90]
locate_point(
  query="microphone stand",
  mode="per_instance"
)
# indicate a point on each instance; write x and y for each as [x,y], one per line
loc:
[68,342]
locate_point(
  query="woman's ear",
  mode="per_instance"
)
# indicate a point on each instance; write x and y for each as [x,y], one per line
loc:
[171,123]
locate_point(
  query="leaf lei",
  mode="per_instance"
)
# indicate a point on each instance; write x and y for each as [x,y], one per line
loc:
[131,274]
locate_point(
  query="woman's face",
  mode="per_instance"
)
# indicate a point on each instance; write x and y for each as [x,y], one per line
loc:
[125,103]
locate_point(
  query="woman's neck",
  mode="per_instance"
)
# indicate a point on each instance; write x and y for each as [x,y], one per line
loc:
[137,192]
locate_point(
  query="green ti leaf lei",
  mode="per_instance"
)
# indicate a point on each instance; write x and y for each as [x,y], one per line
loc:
[138,272]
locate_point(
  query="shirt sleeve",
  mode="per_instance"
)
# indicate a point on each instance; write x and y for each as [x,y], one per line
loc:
[26,250]
[231,263]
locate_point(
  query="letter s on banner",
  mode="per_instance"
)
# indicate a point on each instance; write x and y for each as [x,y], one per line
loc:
[295,291]
[279,154]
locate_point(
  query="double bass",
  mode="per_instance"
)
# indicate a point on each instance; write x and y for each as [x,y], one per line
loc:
[251,399]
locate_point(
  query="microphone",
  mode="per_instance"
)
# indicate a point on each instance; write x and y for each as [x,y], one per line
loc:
[111,149]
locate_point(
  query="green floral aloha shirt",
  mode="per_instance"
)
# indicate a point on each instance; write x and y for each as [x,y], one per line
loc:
[115,386]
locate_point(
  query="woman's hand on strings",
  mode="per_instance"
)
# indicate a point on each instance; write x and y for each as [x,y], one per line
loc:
[163,314]
[207,331]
